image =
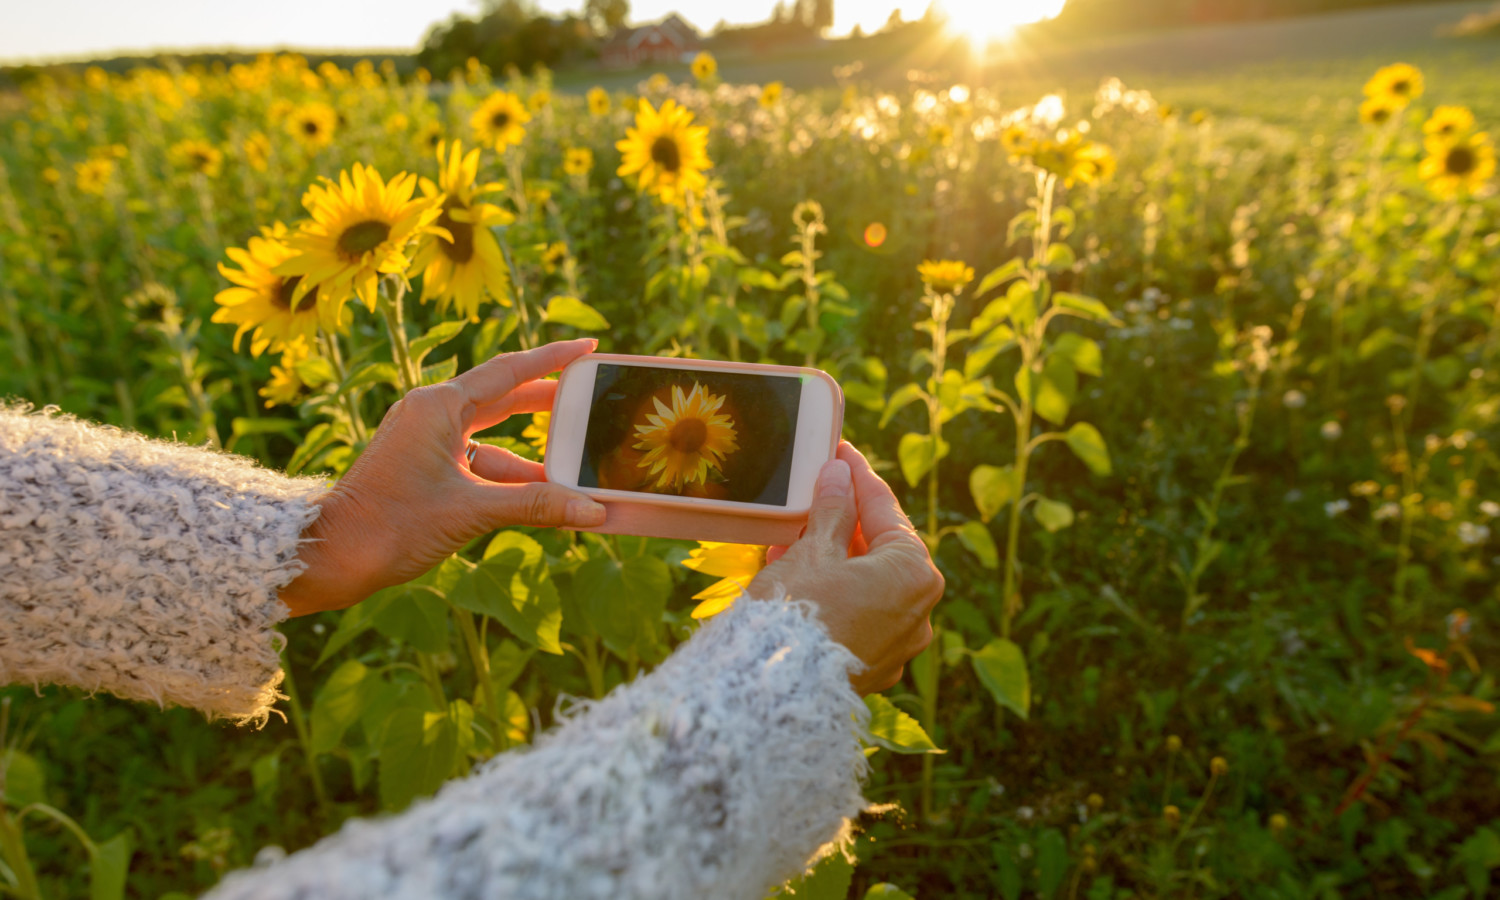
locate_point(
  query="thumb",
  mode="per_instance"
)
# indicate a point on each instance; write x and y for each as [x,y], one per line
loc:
[834,515]
[538,504]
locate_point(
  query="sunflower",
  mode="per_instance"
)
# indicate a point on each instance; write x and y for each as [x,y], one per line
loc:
[941,134]
[734,564]
[286,383]
[705,66]
[313,124]
[197,156]
[361,229]
[947,276]
[461,262]
[94,175]
[598,101]
[500,120]
[658,83]
[540,100]
[536,433]
[262,300]
[428,138]
[1400,84]
[684,441]
[1073,159]
[1449,123]
[1377,111]
[1017,141]
[553,257]
[1455,168]
[770,95]
[578,161]
[665,151]
[257,148]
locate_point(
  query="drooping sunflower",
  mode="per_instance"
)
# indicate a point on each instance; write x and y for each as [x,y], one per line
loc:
[500,120]
[705,66]
[945,276]
[313,125]
[94,175]
[1377,111]
[1449,123]
[665,151]
[598,101]
[734,564]
[578,161]
[770,95]
[263,300]
[286,383]
[461,262]
[362,228]
[197,156]
[1456,168]
[1399,83]
[685,441]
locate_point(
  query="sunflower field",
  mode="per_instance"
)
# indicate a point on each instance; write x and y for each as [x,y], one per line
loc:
[1198,415]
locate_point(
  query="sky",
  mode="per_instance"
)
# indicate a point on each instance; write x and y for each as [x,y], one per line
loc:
[41,30]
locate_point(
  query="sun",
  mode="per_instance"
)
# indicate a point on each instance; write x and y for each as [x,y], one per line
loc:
[986,21]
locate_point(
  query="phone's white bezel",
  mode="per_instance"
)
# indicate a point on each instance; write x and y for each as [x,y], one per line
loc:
[817,432]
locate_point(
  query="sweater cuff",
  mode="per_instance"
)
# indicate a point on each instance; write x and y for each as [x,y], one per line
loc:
[144,568]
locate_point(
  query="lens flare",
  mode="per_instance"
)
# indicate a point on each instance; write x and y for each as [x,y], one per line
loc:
[874,234]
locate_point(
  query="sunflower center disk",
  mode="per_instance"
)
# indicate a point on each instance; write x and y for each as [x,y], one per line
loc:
[1461,161]
[665,154]
[282,299]
[500,119]
[310,128]
[688,436]
[357,240]
[461,249]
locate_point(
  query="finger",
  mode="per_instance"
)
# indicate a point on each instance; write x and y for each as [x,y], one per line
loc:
[500,465]
[539,504]
[834,516]
[492,380]
[531,397]
[775,553]
[881,520]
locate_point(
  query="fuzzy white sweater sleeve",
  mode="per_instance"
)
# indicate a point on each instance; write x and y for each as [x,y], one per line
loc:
[143,568]
[718,775]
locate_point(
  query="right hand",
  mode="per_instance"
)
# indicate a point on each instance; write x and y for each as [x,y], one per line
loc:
[861,563]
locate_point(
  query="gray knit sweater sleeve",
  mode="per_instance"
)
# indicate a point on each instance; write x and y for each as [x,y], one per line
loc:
[718,775]
[143,568]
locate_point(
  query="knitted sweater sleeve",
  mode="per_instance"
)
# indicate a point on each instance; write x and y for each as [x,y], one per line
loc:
[718,775]
[143,568]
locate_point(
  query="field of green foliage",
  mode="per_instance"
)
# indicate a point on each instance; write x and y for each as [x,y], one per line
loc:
[1199,415]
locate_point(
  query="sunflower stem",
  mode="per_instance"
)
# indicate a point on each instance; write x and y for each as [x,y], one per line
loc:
[527,336]
[390,310]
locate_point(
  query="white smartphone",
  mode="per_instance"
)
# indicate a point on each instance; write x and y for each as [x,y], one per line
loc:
[739,438]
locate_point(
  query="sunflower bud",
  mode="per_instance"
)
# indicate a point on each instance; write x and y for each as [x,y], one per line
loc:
[1277,823]
[1095,803]
[1171,815]
[1174,743]
[1218,766]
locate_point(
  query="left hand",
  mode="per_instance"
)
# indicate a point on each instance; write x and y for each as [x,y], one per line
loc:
[411,499]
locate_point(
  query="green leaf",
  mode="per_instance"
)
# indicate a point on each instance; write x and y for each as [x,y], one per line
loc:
[507,662]
[356,620]
[419,752]
[917,455]
[566,310]
[1053,514]
[976,537]
[1008,272]
[895,730]
[1056,390]
[109,864]
[338,704]
[902,397]
[1080,351]
[417,616]
[829,880]
[1087,307]
[1001,667]
[886,891]
[493,335]
[1051,862]
[980,355]
[624,601]
[1024,221]
[513,585]
[440,372]
[438,334]
[759,278]
[1060,258]
[865,396]
[317,439]
[25,783]
[1022,305]
[242,427]
[372,374]
[315,371]
[1088,445]
[992,488]
[791,311]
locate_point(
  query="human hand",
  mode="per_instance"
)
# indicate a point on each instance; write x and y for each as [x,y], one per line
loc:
[861,563]
[412,499]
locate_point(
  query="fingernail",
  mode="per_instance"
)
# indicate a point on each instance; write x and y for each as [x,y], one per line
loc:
[585,513]
[593,343]
[835,479]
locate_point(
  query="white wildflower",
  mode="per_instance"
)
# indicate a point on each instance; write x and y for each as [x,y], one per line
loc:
[1332,430]
[1386,511]
[1471,535]
[1336,508]
[1490,508]
[1294,399]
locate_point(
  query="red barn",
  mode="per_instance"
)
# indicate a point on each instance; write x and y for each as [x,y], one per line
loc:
[668,41]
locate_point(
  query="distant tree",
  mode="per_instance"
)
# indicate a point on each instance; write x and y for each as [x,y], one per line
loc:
[801,13]
[606,15]
[894,22]
[856,33]
[822,16]
[778,14]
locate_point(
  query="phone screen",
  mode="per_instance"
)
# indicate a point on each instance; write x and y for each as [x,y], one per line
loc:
[693,433]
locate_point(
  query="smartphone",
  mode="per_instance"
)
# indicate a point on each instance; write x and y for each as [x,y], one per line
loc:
[737,438]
